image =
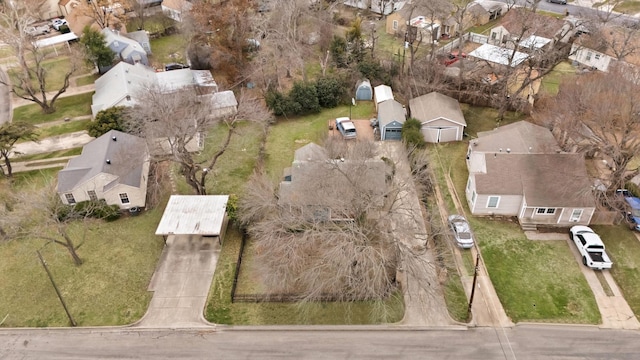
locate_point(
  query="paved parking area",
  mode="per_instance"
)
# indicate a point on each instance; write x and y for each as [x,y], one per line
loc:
[364,130]
[181,283]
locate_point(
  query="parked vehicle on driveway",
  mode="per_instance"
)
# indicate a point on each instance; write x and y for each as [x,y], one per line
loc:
[37,30]
[633,204]
[461,231]
[346,127]
[561,2]
[591,247]
[57,23]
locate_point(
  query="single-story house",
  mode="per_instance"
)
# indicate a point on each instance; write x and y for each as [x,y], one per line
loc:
[378,7]
[480,12]
[440,115]
[142,38]
[113,167]
[498,55]
[391,117]
[518,170]
[420,16]
[364,91]
[601,48]
[520,23]
[176,9]
[322,197]
[127,50]
[120,85]
[382,93]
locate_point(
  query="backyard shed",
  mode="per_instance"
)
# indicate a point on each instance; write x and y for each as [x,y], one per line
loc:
[382,93]
[391,117]
[364,90]
[440,115]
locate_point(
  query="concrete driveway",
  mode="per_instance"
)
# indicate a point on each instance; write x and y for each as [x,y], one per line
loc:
[55,143]
[181,283]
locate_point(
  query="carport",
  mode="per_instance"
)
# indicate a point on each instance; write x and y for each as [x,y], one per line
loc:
[203,215]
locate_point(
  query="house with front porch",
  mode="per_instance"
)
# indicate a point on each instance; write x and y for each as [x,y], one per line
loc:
[519,171]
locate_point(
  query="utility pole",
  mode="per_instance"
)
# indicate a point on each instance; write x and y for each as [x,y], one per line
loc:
[55,287]
[473,286]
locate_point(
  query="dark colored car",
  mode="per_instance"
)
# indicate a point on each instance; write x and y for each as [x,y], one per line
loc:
[175,66]
[561,2]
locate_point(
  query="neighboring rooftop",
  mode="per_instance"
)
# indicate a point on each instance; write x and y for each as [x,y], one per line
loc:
[193,215]
[498,55]
[433,106]
[521,137]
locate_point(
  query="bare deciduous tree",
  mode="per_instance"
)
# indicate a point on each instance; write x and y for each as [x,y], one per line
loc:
[103,13]
[29,79]
[177,121]
[598,114]
[334,231]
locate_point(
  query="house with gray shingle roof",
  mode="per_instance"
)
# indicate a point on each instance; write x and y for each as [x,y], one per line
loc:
[440,115]
[518,170]
[113,167]
[127,50]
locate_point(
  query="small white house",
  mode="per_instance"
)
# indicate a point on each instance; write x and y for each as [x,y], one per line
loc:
[113,167]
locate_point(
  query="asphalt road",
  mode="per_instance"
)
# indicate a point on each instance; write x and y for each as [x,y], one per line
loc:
[522,342]
[5,100]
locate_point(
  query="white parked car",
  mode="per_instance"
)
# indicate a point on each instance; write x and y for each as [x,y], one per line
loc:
[56,23]
[591,247]
[346,127]
[461,231]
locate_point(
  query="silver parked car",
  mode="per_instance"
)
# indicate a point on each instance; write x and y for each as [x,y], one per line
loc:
[461,231]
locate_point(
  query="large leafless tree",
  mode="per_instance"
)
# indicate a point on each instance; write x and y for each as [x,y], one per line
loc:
[598,114]
[29,79]
[338,234]
[176,122]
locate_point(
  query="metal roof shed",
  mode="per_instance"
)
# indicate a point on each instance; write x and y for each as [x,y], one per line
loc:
[193,215]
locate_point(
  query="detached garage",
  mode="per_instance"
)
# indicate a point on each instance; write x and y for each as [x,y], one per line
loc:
[391,117]
[440,115]
[382,93]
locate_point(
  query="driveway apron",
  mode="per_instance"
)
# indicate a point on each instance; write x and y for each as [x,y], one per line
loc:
[181,283]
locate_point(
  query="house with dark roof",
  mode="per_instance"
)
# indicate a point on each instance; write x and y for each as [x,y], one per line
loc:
[321,186]
[519,170]
[113,167]
[440,115]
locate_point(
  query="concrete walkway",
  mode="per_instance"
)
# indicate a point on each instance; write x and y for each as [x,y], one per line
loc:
[55,143]
[423,295]
[181,283]
[21,166]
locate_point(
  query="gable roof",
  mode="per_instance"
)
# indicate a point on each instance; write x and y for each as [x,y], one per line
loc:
[125,153]
[382,93]
[121,80]
[498,55]
[111,37]
[545,180]
[389,111]
[434,105]
[521,137]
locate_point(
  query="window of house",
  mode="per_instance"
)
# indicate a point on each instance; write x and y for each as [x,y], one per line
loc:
[494,36]
[493,201]
[469,184]
[576,214]
[395,24]
[588,57]
[124,198]
[70,198]
[92,195]
[597,56]
[545,211]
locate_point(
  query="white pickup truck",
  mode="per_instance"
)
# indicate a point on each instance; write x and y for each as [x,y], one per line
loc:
[346,127]
[591,247]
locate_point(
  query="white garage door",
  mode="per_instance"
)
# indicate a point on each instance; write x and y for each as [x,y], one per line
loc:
[440,134]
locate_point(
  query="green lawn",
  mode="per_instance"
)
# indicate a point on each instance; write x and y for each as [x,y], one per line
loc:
[221,310]
[110,288]
[168,49]
[627,7]
[287,135]
[551,82]
[624,249]
[530,289]
[71,106]
[87,79]
[65,128]
[49,155]
[56,69]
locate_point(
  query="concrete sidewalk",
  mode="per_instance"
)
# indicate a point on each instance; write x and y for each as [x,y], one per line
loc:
[21,166]
[55,143]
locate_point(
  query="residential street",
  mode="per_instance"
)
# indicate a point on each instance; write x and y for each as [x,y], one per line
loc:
[524,342]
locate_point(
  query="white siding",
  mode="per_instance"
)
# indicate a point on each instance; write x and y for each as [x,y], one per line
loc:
[591,58]
[509,205]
